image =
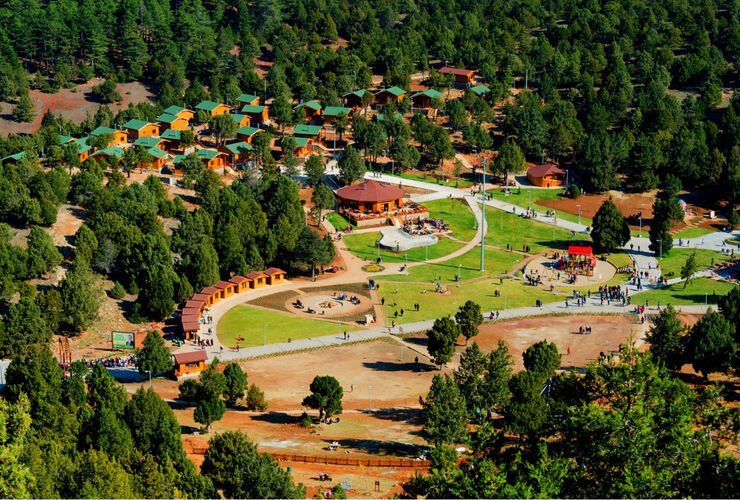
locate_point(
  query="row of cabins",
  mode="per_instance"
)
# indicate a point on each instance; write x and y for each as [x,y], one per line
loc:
[210,295]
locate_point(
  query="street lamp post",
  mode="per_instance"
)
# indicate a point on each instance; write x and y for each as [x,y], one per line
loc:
[483,220]
[641,226]
[377,244]
[530,200]
[579,214]
[264,334]
[459,275]
[475,152]
[370,399]
[150,378]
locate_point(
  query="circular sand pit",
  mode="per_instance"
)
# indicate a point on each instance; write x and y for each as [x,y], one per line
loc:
[329,305]
[545,267]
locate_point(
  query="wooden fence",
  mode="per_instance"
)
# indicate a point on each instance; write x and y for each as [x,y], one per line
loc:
[356,462]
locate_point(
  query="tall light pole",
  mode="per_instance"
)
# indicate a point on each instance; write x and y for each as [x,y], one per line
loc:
[150,377]
[579,213]
[475,152]
[370,398]
[641,226]
[264,334]
[459,274]
[483,220]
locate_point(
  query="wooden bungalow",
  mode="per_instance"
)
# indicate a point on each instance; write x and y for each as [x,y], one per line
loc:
[242,283]
[150,142]
[312,132]
[354,99]
[423,99]
[256,113]
[275,276]
[212,108]
[258,279]
[190,312]
[246,134]
[188,114]
[240,120]
[189,363]
[201,296]
[249,99]
[390,95]
[237,152]
[64,139]
[174,122]
[332,112]
[462,75]
[159,157]
[480,90]
[112,153]
[311,108]
[119,136]
[140,128]
[83,149]
[303,148]
[197,304]
[212,293]
[381,117]
[13,159]
[212,159]
[172,139]
[225,289]
[546,175]
[190,327]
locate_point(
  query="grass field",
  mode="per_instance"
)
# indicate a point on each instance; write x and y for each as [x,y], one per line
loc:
[693,232]
[432,178]
[457,214]
[497,262]
[436,305]
[507,228]
[695,293]
[619,259]
[249,323]
[363,245]
[671,265]
[339,222]
[520,198]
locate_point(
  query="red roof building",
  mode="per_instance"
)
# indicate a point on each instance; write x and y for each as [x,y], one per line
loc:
[275,275]
[462,75]
[187,363]
[546,175]
[257,279]
[370,196]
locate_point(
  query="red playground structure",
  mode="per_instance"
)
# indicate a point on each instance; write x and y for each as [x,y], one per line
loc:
[580,260]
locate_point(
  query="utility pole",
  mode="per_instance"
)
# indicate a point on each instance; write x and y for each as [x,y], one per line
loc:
[264,334]
[483,220]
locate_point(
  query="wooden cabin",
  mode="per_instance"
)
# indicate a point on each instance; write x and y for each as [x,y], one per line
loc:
[312,132]
[240,120]
[242,283]
[188,114]
[196,304]
[303,148]
[190,327]
[83,149]
[172,139]
[174,122]
[256,113]
[390,95]
[189,363]
[258,279]
[275,276]
[150,142]
[64,139]
[212,293]
[311,108]
[248,99]
[225,289]
[332,112]
[462,75]
[140,128]
[119,136]
[480,90]
[159,157]
[212,108]
[423,99]
[546,175]
[381,117]
[212,159]
[354,99]
[237,152]
[246,134]
[112,153]
[14,158]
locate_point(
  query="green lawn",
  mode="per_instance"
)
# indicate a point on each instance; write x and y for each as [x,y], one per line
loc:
[693,294]
[339,222]
[249,323]
[363,246]
[457,214]
[692,232]
[619,259]
[521,198]
[436,305]
[506,228]
[432,178]
[671,265]
[497,262]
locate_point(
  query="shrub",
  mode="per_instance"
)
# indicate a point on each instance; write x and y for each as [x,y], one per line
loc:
[117,292]
[574,191]
[189,390]
[305,420]
[734,219]
[256,399]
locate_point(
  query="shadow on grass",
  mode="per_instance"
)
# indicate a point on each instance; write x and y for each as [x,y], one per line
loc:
[413,416]
[275,417]
[385,366]
[373,447]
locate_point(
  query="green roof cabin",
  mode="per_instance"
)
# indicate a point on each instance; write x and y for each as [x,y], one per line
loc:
[140,128]
[311,108]
[332,112]
[354,99]
[248,99]
[390,95]
[423,99]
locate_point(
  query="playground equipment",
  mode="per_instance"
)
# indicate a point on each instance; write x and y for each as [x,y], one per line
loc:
[580,260]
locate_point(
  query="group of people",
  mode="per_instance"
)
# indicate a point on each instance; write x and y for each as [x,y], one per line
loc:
[609,293]
[115,362]
[584,330]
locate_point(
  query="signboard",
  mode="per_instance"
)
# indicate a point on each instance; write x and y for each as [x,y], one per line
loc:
[123,340]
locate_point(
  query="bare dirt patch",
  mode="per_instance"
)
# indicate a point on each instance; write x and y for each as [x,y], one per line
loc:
[627,203]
